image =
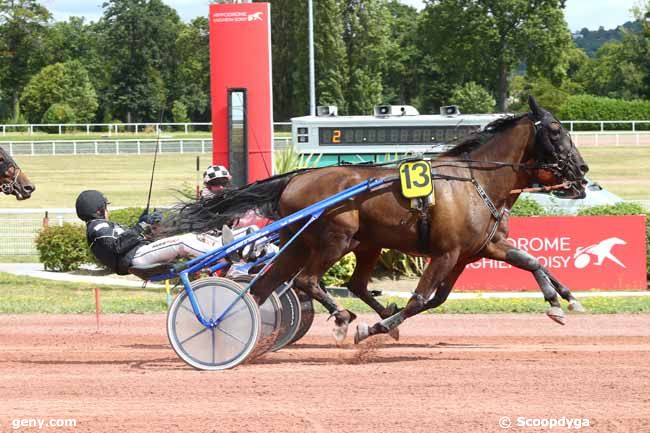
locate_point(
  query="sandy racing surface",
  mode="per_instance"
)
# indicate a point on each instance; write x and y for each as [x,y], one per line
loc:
[448,373]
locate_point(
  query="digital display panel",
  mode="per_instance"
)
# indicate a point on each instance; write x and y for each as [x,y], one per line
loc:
[392,135]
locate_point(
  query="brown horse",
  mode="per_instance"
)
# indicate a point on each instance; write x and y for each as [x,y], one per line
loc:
[475,187]
[12,180]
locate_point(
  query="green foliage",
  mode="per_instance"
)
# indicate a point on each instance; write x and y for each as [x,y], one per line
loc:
[139,70]
[63,248]
[402,264]
[179,112]
[192,81]
[126,217]
[473,98]
[367,43]
[287,159]
[60,83]
[59,113]
[591,40]
[22,32]
[588,107]
[485,41]
[547,94]
[341,271]
[613,72]
[527,207]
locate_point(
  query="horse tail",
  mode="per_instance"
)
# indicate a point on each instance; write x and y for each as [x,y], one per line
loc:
[227,206]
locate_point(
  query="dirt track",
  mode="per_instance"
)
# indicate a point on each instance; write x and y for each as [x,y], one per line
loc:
[449,373]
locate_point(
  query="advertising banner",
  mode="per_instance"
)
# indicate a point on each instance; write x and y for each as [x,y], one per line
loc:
[589,252]
[240,58]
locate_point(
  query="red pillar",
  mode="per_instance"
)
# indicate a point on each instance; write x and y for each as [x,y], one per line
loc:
[240,58]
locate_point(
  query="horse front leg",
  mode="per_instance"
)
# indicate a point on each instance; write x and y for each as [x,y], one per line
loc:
[358,284]
[549,286]
[435,272]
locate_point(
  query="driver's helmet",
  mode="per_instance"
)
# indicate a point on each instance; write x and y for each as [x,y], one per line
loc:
[216,174]
[90,205]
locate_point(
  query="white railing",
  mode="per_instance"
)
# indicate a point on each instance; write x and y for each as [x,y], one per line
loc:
[113,128]
[611,138]
[116,146]
[601,124]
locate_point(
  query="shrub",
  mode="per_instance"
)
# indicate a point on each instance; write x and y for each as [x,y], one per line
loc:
[58,113]
[527,207]
[126,217]
[341,271]
[588,107]
[63,248]
[472,98]
[402,264]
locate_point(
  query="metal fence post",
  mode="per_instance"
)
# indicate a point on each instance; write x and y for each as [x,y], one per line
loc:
[96,153]
[186,129]
[138,143]
[60,129]
[74,147]
[87,129]
[32,147]
[181,146]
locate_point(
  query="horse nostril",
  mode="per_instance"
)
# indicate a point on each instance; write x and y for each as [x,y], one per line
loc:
[29,188]
[584,168]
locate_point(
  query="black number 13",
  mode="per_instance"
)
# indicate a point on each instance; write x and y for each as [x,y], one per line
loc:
[421,174]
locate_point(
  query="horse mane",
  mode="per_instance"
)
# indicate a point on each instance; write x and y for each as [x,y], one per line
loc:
[475,140]
[227,206]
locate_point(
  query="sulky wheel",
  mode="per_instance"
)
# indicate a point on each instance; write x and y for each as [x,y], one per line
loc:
[270,314]
[291,316]
[224,346]
[306,316]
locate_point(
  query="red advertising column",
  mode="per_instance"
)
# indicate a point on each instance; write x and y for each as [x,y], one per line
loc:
[241,92]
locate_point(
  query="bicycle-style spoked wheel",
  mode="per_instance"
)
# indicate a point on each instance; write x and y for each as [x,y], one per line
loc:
[306,316]
[270,313]
[291,317]
[220,347]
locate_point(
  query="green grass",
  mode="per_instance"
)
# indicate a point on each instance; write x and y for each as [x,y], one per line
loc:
[622,170]
[23,295]
[123,178]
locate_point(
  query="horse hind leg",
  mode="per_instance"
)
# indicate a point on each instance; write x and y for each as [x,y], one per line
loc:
[434,274]
[358,284]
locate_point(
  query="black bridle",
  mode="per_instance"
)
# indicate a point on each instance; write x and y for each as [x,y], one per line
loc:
[6,164]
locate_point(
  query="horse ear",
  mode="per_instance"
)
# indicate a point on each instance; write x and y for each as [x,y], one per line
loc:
[534,108]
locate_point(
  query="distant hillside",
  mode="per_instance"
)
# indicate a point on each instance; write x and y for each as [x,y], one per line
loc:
[591,40]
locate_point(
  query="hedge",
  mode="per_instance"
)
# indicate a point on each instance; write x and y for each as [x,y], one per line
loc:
[588,107]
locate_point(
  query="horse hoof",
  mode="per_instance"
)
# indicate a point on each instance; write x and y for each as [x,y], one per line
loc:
[340,332]
[556,314]
[363,332]
[394,333]
[576,307]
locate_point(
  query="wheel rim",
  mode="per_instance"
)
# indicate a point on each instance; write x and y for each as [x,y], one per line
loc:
[220,347]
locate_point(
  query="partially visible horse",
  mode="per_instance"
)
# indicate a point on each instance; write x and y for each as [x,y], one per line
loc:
[476,183]
[13,181]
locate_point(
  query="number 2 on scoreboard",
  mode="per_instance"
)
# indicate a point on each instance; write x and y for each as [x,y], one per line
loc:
[336,136]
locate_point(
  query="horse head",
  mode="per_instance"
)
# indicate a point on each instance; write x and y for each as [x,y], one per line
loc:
[557,158]
[12,180]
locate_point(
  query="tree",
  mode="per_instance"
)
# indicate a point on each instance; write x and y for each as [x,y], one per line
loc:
[61,83]
[367,43]
[140,40]
[331,70]
[613,72]
[485,40]
[192,82]
[22,27]
[402,58]
[472,98]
